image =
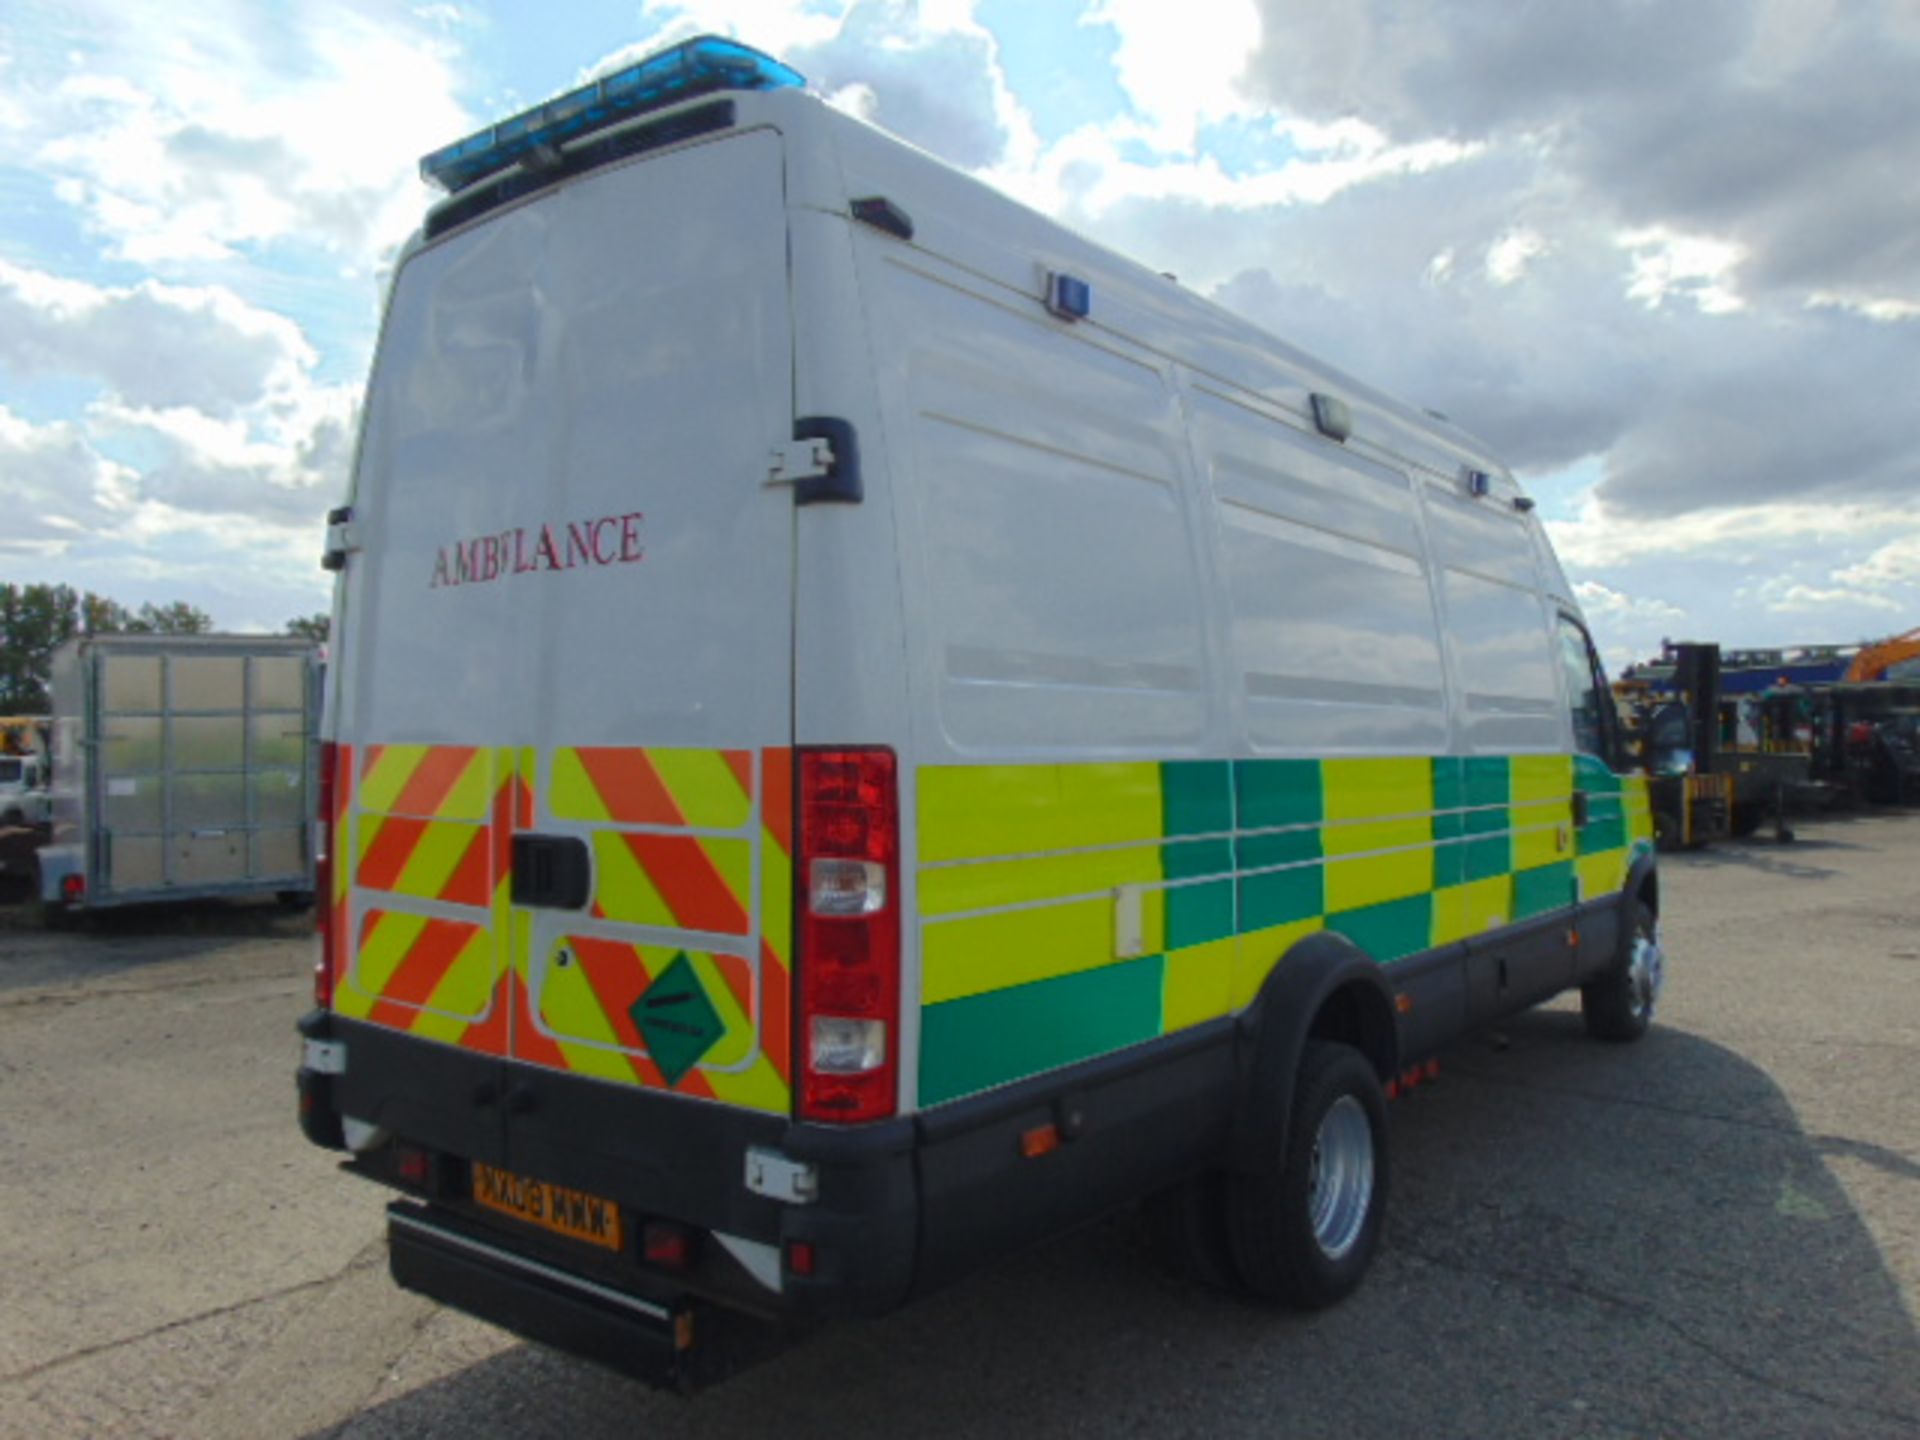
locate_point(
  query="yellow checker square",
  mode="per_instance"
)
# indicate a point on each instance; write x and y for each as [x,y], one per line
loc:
[1199,983]
[982,885]
[1368,789]
[1461,911]
[1258,953]
[1601,875]
[1363,880]
[1014,947]
[978,811]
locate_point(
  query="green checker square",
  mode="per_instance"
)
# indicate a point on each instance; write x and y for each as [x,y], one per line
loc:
[1485,858]
[1198,913]
[676,1019]
[1542,889]
[1487,780]
[1449,783]
[981,1041]
[1196,797]
[1281,896]
[1277,792]
[1391,931]
[1594,777]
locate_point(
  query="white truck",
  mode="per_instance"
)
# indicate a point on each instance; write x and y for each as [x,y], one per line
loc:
[865,730]
[182,768]
[24,795]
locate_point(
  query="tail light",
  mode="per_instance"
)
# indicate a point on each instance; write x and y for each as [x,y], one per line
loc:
[849,933]
[323,877]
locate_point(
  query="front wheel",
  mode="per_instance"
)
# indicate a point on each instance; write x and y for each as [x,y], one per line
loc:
[1619,1005]
[1304,1234]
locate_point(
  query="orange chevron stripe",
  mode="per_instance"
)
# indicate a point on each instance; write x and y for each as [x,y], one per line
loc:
[629,786]
[618,976]
[741,763]
[437,773]
[528,1043]
[426,964]
[489,1037]
[696,893]
[470,883]
[393,845]
[776,798]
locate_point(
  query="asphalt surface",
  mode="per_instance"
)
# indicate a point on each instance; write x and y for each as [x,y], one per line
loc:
[1715,1232]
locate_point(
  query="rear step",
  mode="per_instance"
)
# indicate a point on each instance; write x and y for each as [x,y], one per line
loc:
[674,1343]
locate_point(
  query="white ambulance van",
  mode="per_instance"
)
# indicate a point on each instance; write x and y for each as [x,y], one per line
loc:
[866,730]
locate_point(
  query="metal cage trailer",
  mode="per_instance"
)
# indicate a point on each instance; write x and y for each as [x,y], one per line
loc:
[182,769]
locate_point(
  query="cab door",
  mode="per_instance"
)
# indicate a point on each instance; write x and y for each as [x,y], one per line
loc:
[1601,798]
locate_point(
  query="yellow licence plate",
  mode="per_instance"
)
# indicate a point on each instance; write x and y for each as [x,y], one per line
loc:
[571,1213]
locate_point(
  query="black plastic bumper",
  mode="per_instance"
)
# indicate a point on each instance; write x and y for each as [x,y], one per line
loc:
[666,1340]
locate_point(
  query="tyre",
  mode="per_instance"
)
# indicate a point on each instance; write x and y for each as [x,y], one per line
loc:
[1619,1005]
[1303,1234]
[1188,1224]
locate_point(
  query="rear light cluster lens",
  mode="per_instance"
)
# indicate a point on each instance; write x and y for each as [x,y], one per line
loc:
[849,935]
[323,876]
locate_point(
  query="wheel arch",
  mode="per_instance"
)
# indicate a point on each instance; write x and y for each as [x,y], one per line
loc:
[1324,988]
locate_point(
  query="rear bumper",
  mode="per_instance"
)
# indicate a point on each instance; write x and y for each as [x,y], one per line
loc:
[664,1339]
[899,1208]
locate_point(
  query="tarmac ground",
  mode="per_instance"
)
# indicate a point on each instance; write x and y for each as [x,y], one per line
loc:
[1714,1232]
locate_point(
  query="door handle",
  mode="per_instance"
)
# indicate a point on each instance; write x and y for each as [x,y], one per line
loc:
[551,871]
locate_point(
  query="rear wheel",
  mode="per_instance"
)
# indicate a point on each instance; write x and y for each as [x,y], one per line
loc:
[1619,1005]
[1304,1234]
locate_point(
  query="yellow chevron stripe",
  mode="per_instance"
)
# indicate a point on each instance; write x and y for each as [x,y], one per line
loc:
[435,857]
[465,993]
[622,886]
[703,787]
[757,1088]
[387,943]
[776,898]
[571,793]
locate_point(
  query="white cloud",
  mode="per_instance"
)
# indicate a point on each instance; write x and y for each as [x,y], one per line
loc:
[1694,267]
[190,135]
[55,488]
[1180,63]
[150,343]
[1509,256]
[1895,563]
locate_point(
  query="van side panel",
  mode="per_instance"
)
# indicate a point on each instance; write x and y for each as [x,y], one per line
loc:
[1072,910]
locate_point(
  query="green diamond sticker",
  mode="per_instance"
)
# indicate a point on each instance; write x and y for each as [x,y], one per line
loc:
[676,1019]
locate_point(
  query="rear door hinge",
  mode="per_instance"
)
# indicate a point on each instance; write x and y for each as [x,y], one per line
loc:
[343,538]
[821,462]
[791,461]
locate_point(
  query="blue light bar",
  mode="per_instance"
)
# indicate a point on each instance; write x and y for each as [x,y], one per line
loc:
[692,68]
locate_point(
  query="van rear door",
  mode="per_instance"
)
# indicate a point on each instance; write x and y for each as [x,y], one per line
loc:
[564,706]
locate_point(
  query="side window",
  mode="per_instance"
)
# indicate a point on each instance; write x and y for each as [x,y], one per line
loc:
[1586,694]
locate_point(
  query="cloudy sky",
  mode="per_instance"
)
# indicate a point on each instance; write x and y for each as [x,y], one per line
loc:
[1665,256]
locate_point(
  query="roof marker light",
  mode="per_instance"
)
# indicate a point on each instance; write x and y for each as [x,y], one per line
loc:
[1331,416]
[696,67]
[1068,296]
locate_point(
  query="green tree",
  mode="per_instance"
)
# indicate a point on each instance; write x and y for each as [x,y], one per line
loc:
[36,619]
[177,618]
[311,627]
